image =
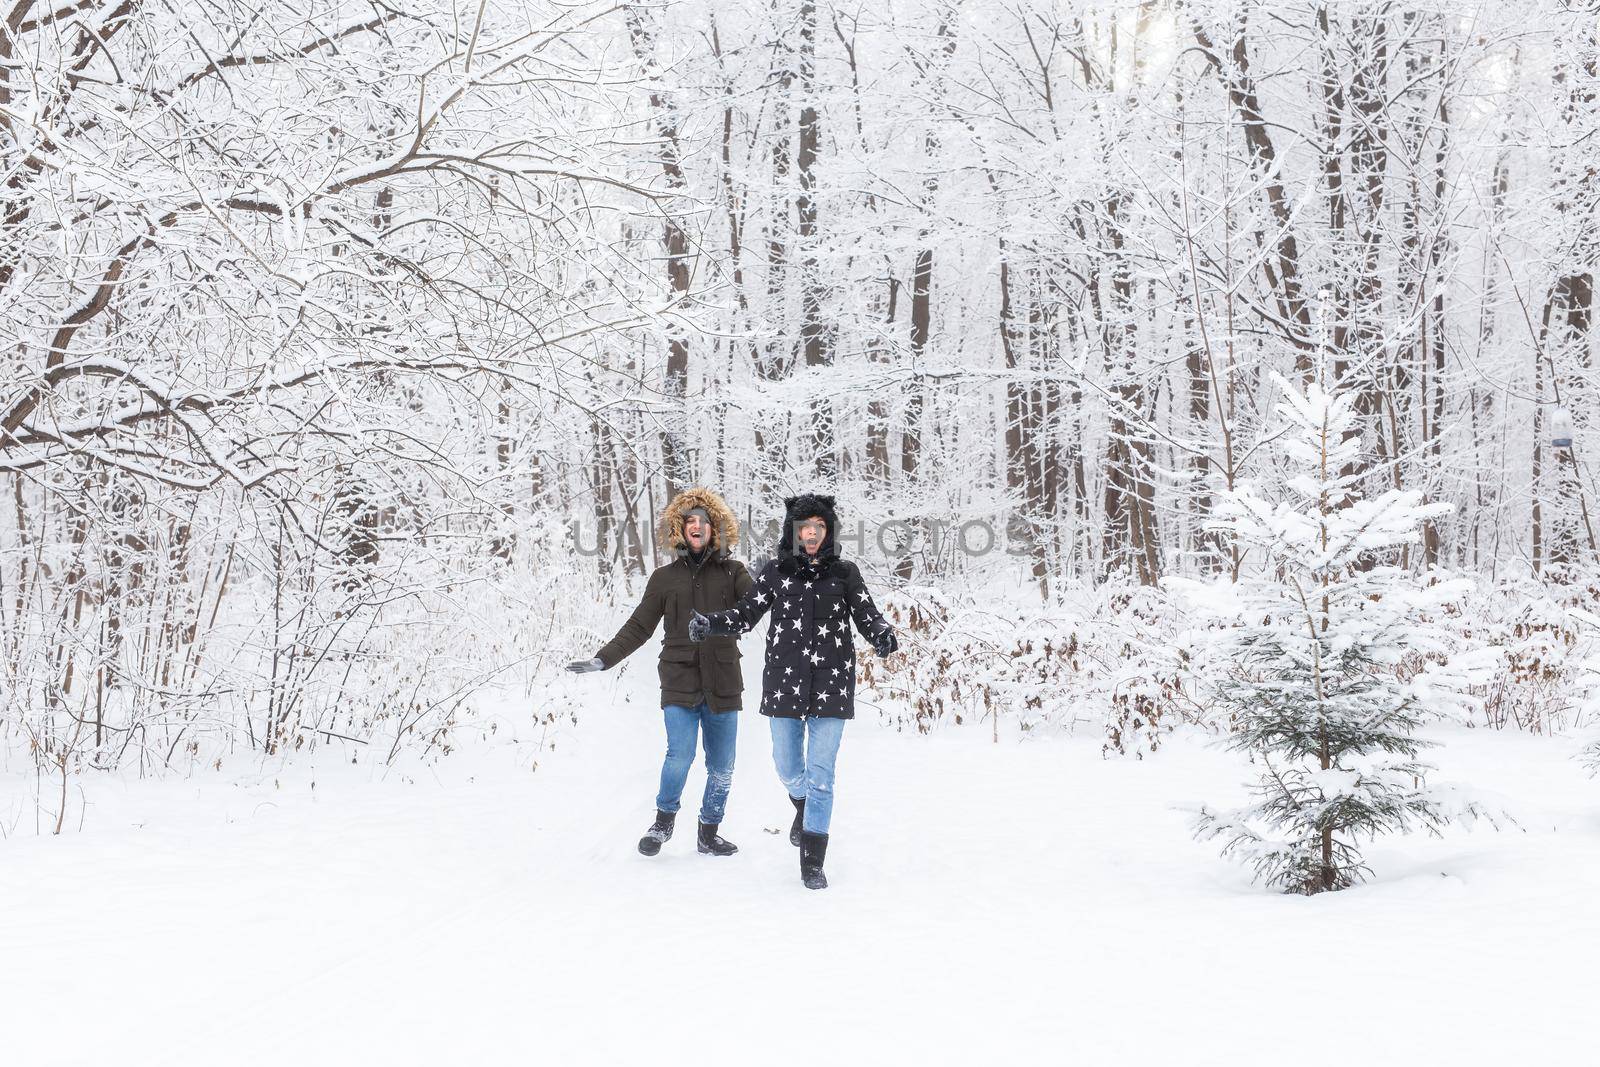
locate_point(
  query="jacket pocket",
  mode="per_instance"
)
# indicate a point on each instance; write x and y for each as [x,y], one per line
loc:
[726,681]
[679,669]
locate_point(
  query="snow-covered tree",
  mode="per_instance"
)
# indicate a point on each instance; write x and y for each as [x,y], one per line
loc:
[294,297]
[1334,656]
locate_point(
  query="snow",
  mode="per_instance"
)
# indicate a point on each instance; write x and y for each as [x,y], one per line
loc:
[1019,902]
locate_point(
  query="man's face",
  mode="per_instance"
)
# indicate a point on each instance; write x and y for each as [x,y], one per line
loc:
[697,532]
[811,532]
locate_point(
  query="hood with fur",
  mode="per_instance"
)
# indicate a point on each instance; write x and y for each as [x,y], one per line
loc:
[724,525]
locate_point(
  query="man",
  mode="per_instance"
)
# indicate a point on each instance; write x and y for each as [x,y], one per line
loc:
[808,684]
[701,685]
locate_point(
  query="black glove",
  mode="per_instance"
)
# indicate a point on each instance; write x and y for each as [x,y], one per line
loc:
[699,627]
[584,666]
[884,642]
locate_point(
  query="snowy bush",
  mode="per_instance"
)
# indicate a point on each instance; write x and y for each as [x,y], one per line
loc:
[206,649]
[1333,658]
[1587,687]
[1111,657]
[1544,681]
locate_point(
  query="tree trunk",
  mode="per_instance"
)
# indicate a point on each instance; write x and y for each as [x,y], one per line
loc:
[822,446]
[1294,317]
[676,462]
[1021,420]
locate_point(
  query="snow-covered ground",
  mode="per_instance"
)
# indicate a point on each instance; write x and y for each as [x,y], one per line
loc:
[1026,902]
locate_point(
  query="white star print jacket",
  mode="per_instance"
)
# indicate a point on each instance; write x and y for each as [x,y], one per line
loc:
[810,664]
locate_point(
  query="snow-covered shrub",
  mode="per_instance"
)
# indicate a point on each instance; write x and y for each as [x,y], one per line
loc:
[1113,657]
[398,673]
[1151,684]
[1332,659]
[1545,679]
[1586,699]
[233,635]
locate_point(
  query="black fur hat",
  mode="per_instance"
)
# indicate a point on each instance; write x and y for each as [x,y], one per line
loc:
[807,506]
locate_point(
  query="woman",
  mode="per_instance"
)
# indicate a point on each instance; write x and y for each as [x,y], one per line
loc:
[808,684]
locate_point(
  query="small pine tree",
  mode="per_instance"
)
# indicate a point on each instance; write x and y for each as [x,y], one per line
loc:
[1332,659]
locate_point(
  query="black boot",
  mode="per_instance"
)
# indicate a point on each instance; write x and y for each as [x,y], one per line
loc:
[660,831]
[711,844]
[813,848]
[799,818]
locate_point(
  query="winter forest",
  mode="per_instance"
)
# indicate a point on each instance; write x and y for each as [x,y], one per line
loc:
[1207,388]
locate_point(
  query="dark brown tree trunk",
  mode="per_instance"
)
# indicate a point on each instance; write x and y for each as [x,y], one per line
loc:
[921,320]
[921,327]
[1022,430]
[676,461]
[1295,319]
[823,447]
[1369,159]
[877,409]
[1131,532]
[602,485]
[777,354]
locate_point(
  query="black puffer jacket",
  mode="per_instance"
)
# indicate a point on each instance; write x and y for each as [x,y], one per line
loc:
[810,663]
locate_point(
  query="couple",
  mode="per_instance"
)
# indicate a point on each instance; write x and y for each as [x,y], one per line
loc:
[807,686]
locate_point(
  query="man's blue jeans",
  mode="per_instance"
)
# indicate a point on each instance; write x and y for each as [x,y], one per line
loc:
[804,751]
[721,730]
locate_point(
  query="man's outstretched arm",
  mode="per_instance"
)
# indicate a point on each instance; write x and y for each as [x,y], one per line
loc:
[635,632]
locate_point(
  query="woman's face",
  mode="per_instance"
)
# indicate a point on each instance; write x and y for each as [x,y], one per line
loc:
[811,532]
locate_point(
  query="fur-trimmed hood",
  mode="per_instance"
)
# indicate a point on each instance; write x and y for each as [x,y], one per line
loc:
[724,525]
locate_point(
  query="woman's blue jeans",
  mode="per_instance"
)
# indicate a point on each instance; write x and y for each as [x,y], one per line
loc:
[804,751]
[721,730]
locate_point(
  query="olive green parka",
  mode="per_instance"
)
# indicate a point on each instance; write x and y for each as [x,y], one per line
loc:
[712,581]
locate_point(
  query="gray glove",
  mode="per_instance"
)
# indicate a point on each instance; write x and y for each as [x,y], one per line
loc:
[585,666]
[699,627]
[884,642]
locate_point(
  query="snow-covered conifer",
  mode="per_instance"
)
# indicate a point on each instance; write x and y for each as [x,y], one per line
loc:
[1333,656]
